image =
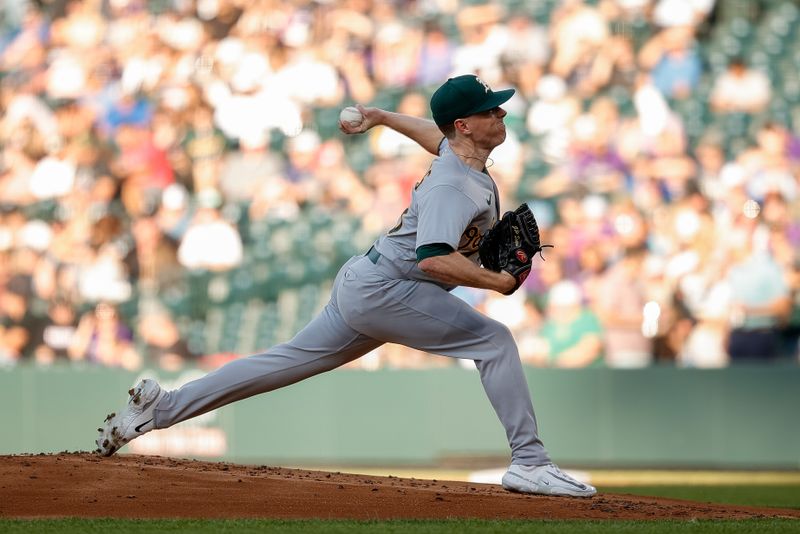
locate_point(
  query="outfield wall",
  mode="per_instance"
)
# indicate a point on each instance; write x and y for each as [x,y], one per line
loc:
[746,417]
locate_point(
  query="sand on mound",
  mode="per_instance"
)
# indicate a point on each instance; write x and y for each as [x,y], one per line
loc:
[131,486]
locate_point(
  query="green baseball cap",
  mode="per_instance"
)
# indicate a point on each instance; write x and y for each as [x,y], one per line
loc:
[463,96]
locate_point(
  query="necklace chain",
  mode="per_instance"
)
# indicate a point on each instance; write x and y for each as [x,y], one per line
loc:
[486,165]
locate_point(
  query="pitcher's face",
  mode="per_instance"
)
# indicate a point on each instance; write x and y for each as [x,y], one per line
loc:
[487,127]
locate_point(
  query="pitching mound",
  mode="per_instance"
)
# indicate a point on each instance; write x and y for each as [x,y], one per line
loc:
[85,485]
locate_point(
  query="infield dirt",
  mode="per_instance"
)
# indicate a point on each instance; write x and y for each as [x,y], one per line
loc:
[130,486]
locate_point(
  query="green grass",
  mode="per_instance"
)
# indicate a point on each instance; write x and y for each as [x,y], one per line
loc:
[777,496]
[90,526]
[787,496]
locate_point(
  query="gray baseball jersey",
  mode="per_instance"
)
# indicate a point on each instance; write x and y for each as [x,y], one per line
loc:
[385,297]
[452,204]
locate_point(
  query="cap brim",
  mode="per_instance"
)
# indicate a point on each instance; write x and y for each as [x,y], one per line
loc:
[498,98]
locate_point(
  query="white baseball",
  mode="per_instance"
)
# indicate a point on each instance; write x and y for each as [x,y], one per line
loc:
[351,116]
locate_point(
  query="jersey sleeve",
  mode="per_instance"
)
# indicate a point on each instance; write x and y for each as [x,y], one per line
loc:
[444,214]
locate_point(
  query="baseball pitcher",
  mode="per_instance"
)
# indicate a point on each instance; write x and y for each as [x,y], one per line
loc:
[398,292]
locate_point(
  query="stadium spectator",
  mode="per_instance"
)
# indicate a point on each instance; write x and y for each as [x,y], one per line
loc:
[18,323]
[672,58]
[710,156]
[550,116]
[203,139]
[435,56]
[103,338]
[571,335]
[670,13]
[102,276]
[783,238]
[173,214]
[396,54]
[525,56]
[153,258]
[243,171]
[620,305]
[578,31]
[483,40]
[25,54]
[336,186]
[740,89]
[707,297]
[210,242]
[160,342]
[760,300]
[120,117]
[56,335]
[771,164]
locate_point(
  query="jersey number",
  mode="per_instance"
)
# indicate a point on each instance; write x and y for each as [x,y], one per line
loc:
[399,222]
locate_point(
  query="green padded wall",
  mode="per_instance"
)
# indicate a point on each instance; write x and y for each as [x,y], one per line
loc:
[742,417]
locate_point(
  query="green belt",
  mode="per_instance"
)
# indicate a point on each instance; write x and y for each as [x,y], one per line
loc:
[373,255]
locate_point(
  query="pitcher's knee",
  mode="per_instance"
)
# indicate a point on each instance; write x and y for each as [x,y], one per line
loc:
[501,341]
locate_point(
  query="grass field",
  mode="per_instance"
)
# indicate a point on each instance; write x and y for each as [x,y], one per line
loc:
[783,495]
[778,496]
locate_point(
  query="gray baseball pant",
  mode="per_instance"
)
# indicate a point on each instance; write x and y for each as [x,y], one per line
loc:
[372,304]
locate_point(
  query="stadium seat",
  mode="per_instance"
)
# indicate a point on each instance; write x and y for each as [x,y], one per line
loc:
[198,281]
[741,27]
[387,98]
[230,330]
[212,333]
[219,289]
[326,121]
[196,337]
[267,326]
[176,298]
[310,301]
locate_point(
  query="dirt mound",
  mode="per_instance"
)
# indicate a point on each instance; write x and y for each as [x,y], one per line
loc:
[85,485]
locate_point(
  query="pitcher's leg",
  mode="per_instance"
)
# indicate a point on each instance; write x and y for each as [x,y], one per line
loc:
[426,317]
[324,344]
[504,381]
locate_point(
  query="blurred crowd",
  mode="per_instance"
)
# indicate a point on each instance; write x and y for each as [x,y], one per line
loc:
[137,135]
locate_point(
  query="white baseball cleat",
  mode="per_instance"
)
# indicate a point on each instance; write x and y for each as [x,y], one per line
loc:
[133,420]
[545,480]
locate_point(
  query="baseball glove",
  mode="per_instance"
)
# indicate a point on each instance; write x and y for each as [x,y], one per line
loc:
[511,244]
